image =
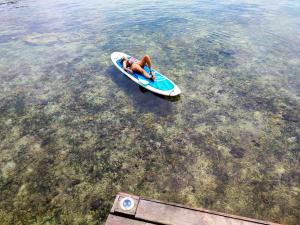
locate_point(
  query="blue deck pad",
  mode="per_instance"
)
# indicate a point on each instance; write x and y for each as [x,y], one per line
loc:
[160,83]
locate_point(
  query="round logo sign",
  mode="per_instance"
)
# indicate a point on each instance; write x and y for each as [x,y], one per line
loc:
[127,203]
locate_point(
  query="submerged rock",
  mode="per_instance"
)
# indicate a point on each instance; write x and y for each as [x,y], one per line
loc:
[41,39]
[8,169]
[237,152]
[52,38]
[291,116]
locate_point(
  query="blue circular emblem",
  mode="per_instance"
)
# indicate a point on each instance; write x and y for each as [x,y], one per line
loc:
[127,203]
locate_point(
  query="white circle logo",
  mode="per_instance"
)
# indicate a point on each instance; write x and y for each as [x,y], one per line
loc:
[127,203]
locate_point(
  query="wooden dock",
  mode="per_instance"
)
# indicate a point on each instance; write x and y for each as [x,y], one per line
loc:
[134,210]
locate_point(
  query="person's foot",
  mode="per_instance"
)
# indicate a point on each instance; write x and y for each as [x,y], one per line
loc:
[152,75]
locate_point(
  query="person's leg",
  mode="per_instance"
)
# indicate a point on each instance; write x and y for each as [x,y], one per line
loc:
[138,69]
[147,60]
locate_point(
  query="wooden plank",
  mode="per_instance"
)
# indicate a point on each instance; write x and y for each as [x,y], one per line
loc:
[118,220]
[168,214]
[147,211]
[212,212]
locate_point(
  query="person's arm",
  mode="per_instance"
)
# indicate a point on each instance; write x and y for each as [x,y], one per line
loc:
[125,67]
[129,70]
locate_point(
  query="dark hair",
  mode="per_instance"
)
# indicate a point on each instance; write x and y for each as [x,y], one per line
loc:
[122,59]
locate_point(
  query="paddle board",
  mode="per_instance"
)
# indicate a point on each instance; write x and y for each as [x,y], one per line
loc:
[162,85]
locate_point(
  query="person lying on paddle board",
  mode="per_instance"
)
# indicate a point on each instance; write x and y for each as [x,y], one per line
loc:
[133,65]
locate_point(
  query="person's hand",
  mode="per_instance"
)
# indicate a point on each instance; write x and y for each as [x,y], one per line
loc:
[153,75]
[128,70]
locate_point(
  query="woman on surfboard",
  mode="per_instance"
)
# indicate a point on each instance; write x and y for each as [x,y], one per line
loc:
[133,65]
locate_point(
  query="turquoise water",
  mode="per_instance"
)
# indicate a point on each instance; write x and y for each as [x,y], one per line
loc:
[74,131]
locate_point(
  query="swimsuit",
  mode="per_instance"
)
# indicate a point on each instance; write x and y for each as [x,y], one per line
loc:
[131,60]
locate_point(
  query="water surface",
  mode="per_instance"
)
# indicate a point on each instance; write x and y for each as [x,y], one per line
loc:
[74,131]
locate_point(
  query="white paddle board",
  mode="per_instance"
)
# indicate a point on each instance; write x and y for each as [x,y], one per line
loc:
[162,85]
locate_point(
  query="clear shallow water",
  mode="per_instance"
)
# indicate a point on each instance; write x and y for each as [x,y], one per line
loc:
[74,131]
